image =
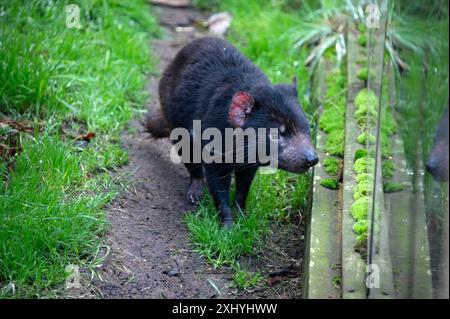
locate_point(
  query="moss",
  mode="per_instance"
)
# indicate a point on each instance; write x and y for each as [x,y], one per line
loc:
[363,74]
[361,246]
[362,178]
[366,104]
[386,149]
[336,82]
[366,110]
[393,187]
[330,183]
[332,119]
[337,281]
[388,124]
[364,165]
[359,208]
[335,143]
[361,28]
[362,239]
[366,97]
[360,227]
[388,128]
[362,40]
[360,154]
[331,165]
[366,115]
[361,189]
[387,169]
[366,138]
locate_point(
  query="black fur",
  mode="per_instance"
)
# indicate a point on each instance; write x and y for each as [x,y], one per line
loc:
[199,85]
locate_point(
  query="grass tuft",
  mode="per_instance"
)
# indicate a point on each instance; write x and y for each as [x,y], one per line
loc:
[71,80]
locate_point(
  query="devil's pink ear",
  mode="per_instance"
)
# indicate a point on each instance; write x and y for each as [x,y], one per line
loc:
[241,106]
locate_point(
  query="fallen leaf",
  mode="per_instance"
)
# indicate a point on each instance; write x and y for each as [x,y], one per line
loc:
[219,23]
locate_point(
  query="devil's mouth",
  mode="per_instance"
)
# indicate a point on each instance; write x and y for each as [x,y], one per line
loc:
[298,169]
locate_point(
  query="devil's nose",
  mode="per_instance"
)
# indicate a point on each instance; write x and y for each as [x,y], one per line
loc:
[311,159]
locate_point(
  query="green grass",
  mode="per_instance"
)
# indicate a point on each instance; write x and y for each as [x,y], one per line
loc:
[272,198]
[244,279]
[72,81]
[48,218]
[48,68]
[269,47]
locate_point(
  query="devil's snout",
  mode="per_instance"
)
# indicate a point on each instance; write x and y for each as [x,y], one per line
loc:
[311,158]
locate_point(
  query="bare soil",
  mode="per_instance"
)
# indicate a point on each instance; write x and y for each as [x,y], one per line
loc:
[151,254]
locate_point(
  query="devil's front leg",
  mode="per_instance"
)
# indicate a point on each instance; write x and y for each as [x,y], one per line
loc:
[244,178]
[218,178]
[195,190]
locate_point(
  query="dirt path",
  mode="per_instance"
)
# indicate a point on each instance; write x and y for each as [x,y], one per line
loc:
[150,252]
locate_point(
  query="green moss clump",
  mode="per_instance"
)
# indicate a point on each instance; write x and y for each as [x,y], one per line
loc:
[330,183]
[366,138]
[359,208]
[336,82]
[366,104]
[362,40]
[363,74]
[366,110]
[388,124]
[361,241]
[360,227]
[364,165]
[361,28]
[362,178]
[335,143]
[366,97]
[337,281]
[393,187]
[361,190]
[331,165]
[361,245]
[332,119]
[388,128]
[387,168]
[360,154]
[386,149]
[366,114]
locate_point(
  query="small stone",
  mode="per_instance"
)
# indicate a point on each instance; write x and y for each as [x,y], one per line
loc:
[173,272]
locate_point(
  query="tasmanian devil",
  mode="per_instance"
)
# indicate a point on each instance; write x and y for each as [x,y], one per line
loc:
[211,81]
[437,164]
